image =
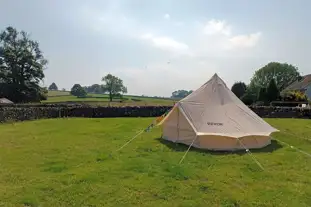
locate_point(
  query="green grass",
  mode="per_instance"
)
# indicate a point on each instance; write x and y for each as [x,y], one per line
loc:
[58,93]
[72,162]
[103,100]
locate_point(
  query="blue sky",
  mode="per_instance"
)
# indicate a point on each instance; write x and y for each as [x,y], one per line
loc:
[160,46]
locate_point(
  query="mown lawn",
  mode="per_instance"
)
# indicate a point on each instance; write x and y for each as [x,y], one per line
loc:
[72,162]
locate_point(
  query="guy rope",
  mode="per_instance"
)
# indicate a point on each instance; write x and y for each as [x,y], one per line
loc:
[148,129]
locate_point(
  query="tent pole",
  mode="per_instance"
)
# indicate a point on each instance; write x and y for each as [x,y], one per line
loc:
[183,157]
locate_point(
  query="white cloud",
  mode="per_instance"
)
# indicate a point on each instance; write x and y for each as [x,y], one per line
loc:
[216,27]
[218,35]
[167,16]
[245,40]
[200,46]
[166,43]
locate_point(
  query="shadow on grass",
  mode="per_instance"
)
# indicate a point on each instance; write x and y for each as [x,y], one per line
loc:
[275,145]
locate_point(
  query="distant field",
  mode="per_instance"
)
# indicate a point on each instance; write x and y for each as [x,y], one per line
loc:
[73,162]
[58,93]
[103,99]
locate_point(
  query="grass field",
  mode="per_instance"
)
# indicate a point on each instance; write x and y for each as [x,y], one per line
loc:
[72,162]
[103,100]
[58,93]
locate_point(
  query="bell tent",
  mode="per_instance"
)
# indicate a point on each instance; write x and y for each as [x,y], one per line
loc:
[213,118]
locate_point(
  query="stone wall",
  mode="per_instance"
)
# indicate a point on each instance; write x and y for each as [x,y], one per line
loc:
[29,112]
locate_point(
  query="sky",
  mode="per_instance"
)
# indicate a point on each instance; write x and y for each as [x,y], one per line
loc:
[157,47]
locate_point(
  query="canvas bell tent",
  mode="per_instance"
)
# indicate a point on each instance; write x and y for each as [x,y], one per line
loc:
[213,118]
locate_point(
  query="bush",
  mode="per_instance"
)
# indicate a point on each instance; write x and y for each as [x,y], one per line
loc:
[296,96]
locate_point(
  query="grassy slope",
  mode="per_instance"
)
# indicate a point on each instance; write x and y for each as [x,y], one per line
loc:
[67,162]
[58,93]
[101,99]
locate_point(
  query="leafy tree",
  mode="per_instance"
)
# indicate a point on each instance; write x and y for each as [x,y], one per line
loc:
[21,67]
[113,85]
[95,88]
[248,98]
[86,88]
[262,95]
[53,87]
[63,89]
[239,89]
[181,94]
[78,90]
[284,74]
[272,93]
[43,93]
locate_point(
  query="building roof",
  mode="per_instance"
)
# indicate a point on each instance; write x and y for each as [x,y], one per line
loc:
[5,101]
[302,84]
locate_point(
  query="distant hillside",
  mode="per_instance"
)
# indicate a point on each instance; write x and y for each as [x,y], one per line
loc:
[102,99]
[67,93]
[58,93]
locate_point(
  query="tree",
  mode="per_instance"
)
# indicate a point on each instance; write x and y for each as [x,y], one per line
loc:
[78,90]
[95,88]
[113,85]
[21,67]
[284,74]
[239,89]
[181,94]
[272,93]
[262,95]
[248,98]
[53,87]
[44,93]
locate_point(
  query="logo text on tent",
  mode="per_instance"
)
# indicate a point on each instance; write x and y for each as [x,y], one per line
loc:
[215,124]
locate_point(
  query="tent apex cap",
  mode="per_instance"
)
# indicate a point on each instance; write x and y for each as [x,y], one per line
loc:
[215,75]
